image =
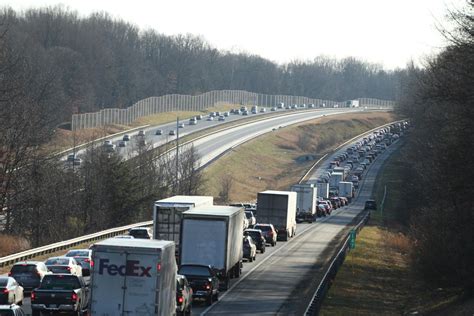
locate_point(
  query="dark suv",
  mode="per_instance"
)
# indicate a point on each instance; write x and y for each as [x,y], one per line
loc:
[370,205]
[269,232]
[203,280]
[29,274]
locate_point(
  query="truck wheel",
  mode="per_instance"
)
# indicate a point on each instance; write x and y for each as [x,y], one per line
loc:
[250,259]
[262,250]
[274,243]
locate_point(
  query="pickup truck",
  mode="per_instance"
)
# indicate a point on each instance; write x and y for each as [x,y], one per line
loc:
[60,293]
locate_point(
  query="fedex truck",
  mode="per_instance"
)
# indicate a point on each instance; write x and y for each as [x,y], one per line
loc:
[133,277]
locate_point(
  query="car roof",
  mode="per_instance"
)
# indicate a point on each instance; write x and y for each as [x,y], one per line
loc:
[28,263]
[253,230]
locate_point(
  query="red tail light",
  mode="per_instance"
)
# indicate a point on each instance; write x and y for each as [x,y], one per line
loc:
[5,291]
[208,286]
[9,274]
[158,267]
[74,297]
[69,268]
[91,263]
[33,296]
[180,300]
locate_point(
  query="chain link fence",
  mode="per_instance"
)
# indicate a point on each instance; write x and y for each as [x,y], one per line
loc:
[177,102]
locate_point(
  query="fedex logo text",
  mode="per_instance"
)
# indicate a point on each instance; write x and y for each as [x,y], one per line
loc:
[131,268]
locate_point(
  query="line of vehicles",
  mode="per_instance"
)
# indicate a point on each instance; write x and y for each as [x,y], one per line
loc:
[193,251]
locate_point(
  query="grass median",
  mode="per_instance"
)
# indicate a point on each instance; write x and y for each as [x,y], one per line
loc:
[376,277]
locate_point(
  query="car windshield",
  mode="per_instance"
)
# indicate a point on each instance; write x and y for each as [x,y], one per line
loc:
[263,228]
[23,268]
[57,261]
[254,235]
[139,233]
[78,253]
[60,282]
[194,270]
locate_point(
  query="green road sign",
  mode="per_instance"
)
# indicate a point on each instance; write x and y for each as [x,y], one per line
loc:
[352,239]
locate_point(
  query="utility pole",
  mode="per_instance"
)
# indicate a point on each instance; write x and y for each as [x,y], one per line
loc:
[177,156]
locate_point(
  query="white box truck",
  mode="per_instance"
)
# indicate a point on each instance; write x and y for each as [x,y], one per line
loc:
[133,277]
[212,236]
[322,190]
[335,178]
[278,208]
[346,189]
[167,214]
[306,195]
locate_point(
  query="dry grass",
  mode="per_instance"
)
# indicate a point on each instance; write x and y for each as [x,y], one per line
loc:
[12,244]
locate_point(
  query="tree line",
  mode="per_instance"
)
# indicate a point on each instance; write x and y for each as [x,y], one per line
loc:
[439,189]
[98,62]
[54,63]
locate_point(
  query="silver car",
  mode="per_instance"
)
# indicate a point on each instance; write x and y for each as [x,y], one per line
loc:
[10,291]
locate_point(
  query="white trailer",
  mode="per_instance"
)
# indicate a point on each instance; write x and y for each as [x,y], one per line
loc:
[323,190]
[278,208]
[346,189]
[167,214]
[335,178]
[212,235]
[306,195]
[133,277]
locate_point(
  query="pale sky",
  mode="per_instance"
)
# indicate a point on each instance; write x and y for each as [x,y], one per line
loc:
[386,32]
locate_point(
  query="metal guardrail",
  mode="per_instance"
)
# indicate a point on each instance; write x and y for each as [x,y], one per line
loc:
[324,285]
[28,254]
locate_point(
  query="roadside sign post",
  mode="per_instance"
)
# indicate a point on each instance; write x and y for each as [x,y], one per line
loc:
[352,239]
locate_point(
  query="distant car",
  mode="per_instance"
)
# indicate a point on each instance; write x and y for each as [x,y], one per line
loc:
[311,106]
[184,296]
[221,118]
[140,232]
[263,110]
[212,114]
[237,111]
[295,106]
[141,133]
[370,205]
[192,121]
[250,249]
[10,291]
[109,146]
[269,232]
[71,157]
[126,138]
[281,105]
[199,117]
[64,265]
[226,114]
[258,238]
[11,310]
[273,108]
[203,280]
[180,125]
[28,273]
[159,132]
[172,132]
[245,112]
[84,258]
[210,118]
[122,143]
[251,218]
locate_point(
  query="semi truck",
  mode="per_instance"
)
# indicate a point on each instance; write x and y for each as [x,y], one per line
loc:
[133,277]
[346,189]
[167,214]
[278,208]
[212,236]
[306,195]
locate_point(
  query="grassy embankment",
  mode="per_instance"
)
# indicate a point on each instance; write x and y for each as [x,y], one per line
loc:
[376,278]
[278,160]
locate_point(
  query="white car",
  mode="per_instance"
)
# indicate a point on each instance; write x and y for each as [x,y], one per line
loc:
[10,291]
[67,265]
[181,125]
